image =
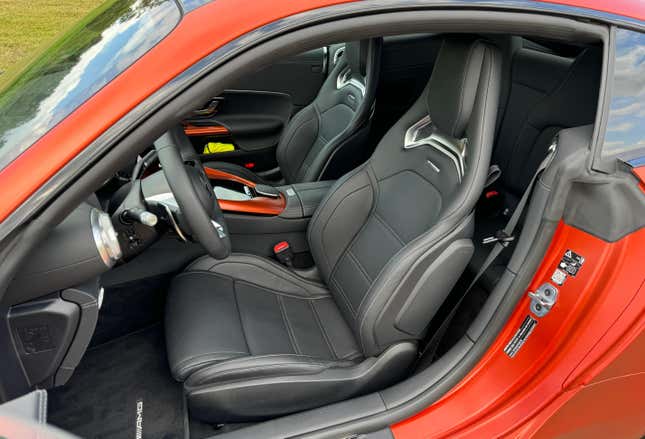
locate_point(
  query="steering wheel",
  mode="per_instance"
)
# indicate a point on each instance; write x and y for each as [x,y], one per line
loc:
[193,192]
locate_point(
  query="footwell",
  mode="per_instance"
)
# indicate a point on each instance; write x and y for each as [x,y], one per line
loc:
[121,389]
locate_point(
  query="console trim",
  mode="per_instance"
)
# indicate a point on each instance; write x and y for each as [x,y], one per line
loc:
[256,206]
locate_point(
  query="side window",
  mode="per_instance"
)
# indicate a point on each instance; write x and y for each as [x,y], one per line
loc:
[626,124]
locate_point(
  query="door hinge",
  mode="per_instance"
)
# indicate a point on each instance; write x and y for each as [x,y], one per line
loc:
[543,299]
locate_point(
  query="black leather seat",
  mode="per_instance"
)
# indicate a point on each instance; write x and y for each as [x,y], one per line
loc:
[328,135]
[251,340]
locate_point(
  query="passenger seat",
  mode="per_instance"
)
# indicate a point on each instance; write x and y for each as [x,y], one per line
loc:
[322,139]
[548,93]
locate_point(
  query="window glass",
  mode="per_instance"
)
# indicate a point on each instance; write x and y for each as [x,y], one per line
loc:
[626,123]
[88,57]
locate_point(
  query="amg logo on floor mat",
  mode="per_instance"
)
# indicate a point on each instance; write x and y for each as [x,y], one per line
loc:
[139,424]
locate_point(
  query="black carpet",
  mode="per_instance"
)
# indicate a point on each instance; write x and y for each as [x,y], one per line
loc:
[101,398]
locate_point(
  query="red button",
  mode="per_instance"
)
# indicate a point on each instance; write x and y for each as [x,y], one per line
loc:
[280,246]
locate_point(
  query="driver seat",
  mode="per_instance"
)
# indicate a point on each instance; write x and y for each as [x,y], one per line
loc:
[250,339]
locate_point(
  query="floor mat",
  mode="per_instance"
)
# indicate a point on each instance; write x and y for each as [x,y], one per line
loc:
[118,384]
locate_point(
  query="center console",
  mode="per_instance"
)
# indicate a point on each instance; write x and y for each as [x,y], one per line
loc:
[241,196]
[259,216]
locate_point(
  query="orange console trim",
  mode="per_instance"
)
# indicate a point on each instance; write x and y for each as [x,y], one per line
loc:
[216,174]
[192,130]
[257,206]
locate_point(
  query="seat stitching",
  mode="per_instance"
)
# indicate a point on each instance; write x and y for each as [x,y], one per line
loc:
[361,269]
[479,158]
[344,296]
[285,320]
[323,205]
[352,355]
[273,268]
[288,142]
[182,366]
[375,189]
[380,219]
[269,367]
[239,315]
[210,273]
[280,293]
[322,330]
[324,227]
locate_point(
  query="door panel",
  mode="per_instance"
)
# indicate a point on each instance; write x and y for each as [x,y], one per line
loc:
[299,76]
[244,124]
[251,122]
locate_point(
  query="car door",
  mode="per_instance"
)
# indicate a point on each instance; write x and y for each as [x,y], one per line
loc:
[244,124]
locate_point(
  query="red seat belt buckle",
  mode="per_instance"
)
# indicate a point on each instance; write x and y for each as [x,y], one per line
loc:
[283,253]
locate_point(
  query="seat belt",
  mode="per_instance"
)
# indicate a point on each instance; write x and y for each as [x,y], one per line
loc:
[501,239]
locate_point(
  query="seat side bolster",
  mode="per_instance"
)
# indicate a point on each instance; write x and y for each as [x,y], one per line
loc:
[260,366]
[294,387]
[262,272]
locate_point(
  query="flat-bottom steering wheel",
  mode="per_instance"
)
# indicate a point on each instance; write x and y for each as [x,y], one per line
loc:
[193,192]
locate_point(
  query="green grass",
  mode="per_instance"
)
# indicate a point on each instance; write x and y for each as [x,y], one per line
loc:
[28,26]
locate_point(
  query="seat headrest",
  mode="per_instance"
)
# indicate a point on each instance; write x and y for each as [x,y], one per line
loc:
[452,88]
[356,55]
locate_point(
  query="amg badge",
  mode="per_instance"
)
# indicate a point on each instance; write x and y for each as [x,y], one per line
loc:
[139,424]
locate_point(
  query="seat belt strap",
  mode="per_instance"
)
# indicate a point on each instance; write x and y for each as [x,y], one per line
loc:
[501,240]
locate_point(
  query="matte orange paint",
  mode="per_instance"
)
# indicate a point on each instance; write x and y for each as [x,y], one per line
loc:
[640,174]
[190,41]
[628,8]
[597,315]
[611,405]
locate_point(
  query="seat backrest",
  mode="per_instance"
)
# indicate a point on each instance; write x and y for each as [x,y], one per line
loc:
[548,93]
[377,234]
[343,106]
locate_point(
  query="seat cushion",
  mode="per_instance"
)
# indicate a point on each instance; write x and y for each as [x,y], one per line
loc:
[224,312]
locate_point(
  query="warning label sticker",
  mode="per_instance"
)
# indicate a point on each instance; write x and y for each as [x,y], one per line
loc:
[571,263]
[520,337]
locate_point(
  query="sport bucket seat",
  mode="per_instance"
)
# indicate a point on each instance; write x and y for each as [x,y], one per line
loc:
[250,339]
[331,130]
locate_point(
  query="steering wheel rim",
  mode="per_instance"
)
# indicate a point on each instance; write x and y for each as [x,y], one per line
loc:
[194,193]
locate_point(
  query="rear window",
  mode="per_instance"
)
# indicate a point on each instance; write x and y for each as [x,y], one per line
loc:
[626,123]
[89,56]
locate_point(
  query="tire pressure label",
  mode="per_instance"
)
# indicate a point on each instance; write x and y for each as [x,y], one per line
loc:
[520,337]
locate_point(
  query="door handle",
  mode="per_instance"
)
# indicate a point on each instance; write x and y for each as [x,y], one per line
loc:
[210,109]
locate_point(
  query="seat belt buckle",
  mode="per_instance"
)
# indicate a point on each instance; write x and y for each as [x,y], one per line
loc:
[500,236]
[283,253]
